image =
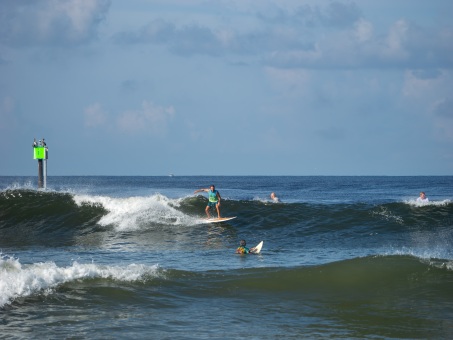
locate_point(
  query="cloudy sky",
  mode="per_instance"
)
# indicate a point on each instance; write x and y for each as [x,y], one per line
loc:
[237,87]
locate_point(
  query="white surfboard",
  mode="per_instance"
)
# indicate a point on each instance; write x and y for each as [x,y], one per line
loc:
[257,248]
[216,219]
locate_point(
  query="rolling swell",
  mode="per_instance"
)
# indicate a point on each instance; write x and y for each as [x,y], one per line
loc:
[345,220]
[319,215]
[46,218]
[376,279]
[30,217]
[388,276]
[385,295]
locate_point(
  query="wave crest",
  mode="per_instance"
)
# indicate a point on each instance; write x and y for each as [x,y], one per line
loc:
[24,280]
[132,213]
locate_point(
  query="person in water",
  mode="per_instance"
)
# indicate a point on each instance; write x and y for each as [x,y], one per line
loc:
[274,197]
[214,200]
[242,249]
[422,198]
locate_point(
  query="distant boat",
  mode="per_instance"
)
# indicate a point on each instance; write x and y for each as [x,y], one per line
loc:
[171,175]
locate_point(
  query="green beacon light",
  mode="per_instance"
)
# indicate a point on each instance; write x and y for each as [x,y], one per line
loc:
[39,152]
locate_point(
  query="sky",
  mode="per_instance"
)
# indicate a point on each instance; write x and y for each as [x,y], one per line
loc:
[217,87]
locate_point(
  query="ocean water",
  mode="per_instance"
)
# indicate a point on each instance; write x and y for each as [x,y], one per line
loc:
[122,257]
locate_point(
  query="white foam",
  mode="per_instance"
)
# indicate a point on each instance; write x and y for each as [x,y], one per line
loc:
[424,252]
[416,203]
[132,213]
[449,265]
[387,215]
[265,200]
[28,185]
[17,280]
[260,199]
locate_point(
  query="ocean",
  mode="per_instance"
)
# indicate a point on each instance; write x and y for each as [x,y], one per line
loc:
[127,257]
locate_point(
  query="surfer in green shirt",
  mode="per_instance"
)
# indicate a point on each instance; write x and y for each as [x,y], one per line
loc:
[242,249]
[214,200]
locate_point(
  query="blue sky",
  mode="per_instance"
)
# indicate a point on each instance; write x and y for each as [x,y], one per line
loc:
[153,87]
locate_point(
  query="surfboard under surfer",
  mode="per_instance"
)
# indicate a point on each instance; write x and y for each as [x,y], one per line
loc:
[214,200]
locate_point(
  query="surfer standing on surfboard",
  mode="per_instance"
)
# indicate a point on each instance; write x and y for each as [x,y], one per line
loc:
[214,200]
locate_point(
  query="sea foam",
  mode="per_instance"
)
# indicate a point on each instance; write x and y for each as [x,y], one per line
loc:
[17,280]
[132,213]
[416,203]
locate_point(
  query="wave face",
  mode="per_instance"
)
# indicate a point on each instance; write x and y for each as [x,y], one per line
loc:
[44,218]
[350,257]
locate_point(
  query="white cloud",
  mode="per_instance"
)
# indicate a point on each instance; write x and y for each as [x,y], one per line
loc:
[95,115]
[50,21]
[150,118]
[419,88]
[291,82]
[363,30]
[333,35]
[431,97]
[394,45]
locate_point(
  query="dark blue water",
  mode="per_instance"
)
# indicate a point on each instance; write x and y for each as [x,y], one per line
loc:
[116,257]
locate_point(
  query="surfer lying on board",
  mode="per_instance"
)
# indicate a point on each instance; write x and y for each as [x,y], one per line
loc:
[242,249]
[214,200]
